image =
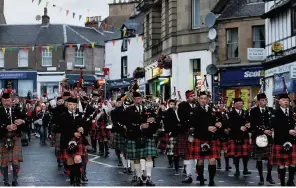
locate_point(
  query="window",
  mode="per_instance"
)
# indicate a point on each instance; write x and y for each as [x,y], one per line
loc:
[195,14]
[232,43]
[24,86]
[196,72]
[124,45]
[124,71]
[79,58]
[293,19]
[259,36]
[255,1]
[46,58]
[23,58]
[1,59]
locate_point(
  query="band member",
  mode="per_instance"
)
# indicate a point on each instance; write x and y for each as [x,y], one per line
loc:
[104,134]
[181,148]
[43,118]
[204,143]
[239,136]
[94,131]
[260,121]
[72,142]
[172,126]
[284,146]
[11,121]
[222,116]
[140,144]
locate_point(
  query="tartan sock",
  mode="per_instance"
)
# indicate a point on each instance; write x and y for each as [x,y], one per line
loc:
[149,166]
[291,173]
[170,158]
[282,176]
[138,170]
[106,146]
[123,160]
[269,169]
[212,172]
[260,169]
[5,174]
[176,162]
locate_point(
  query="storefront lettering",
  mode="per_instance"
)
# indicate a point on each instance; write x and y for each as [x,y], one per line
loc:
[12,75]
[279,70]
[252,74]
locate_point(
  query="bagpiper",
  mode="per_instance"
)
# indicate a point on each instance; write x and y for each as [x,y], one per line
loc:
[284,147]
[238,146]
[11,122]
[260,121]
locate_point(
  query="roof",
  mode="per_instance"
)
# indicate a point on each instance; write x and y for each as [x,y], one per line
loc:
[37,34]
[230,9]
[136,22]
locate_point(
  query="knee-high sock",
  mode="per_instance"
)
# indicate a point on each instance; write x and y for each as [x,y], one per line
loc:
[236,163]
[149,166]
[123,160]
[106,145]
[72,173]
[15,171]
[212,172]
[170,159]
[5,174]
[260,169]
[269,169]
[282,176]
[219,162]
[226,161]
[188,167]
[291,173]
[245,162]
[94,144]
[176,162]
[101,146]
[138,170]
[143,164]
[200,172]
[77,167]
[84,165]
[128,163]
[117,151]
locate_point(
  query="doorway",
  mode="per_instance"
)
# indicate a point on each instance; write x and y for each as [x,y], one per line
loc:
[9,84]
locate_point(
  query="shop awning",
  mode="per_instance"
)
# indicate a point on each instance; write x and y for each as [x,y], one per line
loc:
[88,80]
[119,83]
[164,81]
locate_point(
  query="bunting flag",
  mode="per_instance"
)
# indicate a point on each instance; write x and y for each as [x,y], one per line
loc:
[39,2]
[80,16]
[70,46]
[129,41]
[85,45]
[46,4]
[40,49]
[63,47]
[10,49]
[93,45]
[55,48]
[113,41]
[48,48]
[33,48]
[124,32]
[78,46]
[3,50]
[137,39]
[67,12]
[25,49]
[32,1]
[73,14]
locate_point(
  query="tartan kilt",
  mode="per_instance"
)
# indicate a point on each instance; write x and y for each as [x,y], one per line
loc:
[194,149]
[14,154]
[118,141]
[181,148]
[238,150]
[170,146]
[81,151]
[279,159]
[57,144]
[94,133]
[263,153]
[133,153]
[103,133]
[223,145]
[163,141]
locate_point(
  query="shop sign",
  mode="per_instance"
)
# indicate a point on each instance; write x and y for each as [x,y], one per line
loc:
[156,72]
[279,69]
[254,74]
[69,66]
[13,75]
[256,54]
[277,47]
[293,71]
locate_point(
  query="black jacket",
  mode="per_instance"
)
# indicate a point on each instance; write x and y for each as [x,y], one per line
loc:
[171,123]
[236,121]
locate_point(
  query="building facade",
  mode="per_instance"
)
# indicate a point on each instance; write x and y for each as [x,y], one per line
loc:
[47,54]
[240,51]
[280,63]
[176,28]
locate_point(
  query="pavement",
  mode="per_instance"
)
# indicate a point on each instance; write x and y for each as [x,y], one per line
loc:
[40,169]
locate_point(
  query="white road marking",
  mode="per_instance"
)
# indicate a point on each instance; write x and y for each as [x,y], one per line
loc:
[97,157]
[251,182]
[105,164]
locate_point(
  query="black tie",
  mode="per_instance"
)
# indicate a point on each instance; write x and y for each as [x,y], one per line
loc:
[263,111]
[286,112]
[8,112]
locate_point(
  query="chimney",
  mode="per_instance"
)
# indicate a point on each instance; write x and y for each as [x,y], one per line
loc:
[45,17]
[93,21]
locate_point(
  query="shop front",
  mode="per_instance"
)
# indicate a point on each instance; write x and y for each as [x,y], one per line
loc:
[21,82]
[244,82]
[117,87]
[89,81]
[49,83]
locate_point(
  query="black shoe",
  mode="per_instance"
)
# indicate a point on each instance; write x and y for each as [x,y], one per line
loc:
[261,182]
[198,178]
[107,153]
[188,180]
[139,182]
[237,174]
[149,182]
[129,170]
[125,170]
[246,172]
[227,168]
[270,180]
[78,182]
[219,167]
[170,166]
[14,183]
[290,183]
[135,179]
[101,153]
[212,183]
[120,164]
[84,178]
[6,184]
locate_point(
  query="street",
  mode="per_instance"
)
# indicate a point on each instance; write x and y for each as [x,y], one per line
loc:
[40,169]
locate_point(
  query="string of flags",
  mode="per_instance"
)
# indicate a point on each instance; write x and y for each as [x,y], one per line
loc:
[129,40]
[49,47]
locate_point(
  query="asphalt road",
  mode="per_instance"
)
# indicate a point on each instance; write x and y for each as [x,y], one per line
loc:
[40,169]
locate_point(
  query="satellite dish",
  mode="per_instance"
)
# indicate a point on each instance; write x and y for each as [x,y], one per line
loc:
[212,47]
[212,34]
[212,69]
[38,17]
[210,20]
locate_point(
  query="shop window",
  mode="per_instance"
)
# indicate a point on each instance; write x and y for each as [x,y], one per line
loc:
[24,86]
[23,58]
[124,70]
[232,43]
[259,36]
[79,58]
[46,57]
[2,59]
[195,14]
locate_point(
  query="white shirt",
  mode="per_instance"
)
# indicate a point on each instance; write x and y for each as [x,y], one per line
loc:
[284,110]
[261,109]
[238,111]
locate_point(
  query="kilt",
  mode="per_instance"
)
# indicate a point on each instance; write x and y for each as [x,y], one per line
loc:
[277,158]
[57,149]
[118,141]
[263,153]
[103,134]
[170,146]
[14,154]
[81,150]
[133,153]
[181,148]
[238,150]
[163,141]
[94,134]
[223,145]
[194,149]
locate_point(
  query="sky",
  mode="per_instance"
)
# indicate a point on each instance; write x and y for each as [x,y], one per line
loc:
[25,12]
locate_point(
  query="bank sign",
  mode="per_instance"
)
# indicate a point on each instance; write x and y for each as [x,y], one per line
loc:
[254,74]
[232,75]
